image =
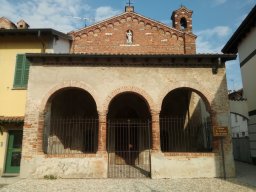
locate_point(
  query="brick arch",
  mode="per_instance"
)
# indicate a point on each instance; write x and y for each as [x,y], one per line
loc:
[201,91]
[68,84]
[132,89]
[43,106]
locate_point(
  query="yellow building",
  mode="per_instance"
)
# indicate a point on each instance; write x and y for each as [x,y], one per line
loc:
[16,40]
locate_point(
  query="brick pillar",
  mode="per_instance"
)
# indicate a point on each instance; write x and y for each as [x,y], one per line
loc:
[155,131]
[102,136]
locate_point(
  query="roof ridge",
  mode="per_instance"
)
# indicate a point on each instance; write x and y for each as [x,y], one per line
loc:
[131,13]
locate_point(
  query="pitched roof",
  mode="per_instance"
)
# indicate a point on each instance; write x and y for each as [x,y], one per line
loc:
[248,23]
[11,119]
[112,19]
[182,8]
[236,95]
[8,21]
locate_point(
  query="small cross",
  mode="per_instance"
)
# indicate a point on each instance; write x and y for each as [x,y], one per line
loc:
[129,3]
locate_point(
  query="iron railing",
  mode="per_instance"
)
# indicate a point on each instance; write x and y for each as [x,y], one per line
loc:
[129,148]
[180,134]
[71,136]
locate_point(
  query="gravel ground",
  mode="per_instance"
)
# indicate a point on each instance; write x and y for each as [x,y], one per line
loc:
[111,185]
[1,185]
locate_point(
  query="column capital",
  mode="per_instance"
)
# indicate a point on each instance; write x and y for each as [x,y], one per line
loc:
[102,116]
[102,113]
[155,112]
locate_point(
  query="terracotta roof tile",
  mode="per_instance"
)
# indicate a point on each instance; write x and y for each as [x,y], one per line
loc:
[11,119]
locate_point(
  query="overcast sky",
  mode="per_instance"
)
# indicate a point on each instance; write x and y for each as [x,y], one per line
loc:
[214,21]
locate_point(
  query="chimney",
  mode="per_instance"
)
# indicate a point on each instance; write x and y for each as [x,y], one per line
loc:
[22,24]
[129,8]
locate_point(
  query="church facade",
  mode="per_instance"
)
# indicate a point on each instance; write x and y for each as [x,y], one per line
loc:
[131,99]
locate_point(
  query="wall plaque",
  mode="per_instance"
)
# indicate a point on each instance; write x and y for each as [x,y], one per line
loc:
[220,131]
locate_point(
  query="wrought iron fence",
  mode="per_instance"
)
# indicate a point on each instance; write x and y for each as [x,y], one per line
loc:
[71,136]
[129,148]
[180,134]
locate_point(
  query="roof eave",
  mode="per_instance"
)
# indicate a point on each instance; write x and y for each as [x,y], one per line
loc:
[248,23]
[223,57]
[53,32]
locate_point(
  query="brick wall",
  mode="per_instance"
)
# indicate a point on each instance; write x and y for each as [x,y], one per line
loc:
[149,37]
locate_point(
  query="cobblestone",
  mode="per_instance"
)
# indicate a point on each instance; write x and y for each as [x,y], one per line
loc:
[111,185]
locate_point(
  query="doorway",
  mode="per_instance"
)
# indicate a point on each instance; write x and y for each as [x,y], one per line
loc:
[129,137]
[13,157]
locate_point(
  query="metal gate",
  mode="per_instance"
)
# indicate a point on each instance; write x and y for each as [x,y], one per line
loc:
[241,149]
[129,148]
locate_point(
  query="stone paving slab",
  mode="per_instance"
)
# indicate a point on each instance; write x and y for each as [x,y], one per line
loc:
[111,185]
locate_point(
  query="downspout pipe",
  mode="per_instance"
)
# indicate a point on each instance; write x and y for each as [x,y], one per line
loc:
[41,40]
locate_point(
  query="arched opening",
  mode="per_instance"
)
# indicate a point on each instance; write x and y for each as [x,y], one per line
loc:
[129,136]
[71,123]
[128,106]
[185,124]
[183,23]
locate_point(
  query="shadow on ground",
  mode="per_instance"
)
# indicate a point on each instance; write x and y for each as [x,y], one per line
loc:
[245,175]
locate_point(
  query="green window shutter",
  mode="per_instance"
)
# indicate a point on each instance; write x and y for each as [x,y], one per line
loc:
[26,72]
[21,72]
[18,71]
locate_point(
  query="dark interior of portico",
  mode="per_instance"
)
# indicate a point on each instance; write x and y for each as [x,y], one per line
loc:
[128,128]
[71,122]
[184,122]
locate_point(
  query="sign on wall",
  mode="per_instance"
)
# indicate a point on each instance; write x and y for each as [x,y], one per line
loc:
[220,131]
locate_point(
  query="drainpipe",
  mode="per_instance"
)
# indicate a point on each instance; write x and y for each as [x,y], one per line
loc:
[41,40]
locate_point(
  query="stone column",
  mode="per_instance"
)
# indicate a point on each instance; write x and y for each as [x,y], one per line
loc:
[102,134]
[155,130]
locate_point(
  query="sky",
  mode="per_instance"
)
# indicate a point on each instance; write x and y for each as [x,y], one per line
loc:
[214,21]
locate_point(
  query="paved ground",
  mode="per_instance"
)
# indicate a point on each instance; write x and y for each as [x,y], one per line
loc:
[246,173]
[111,185]
[246,178]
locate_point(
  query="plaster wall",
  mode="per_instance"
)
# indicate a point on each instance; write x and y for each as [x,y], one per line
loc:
[239,125]
[239,107]
[61,46]
[90,167]
[247,46]
[249,79]
[3,147]
[12,101]
[190,166]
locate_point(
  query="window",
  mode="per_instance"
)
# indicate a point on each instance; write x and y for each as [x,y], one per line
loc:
[236,118]
[21,72]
